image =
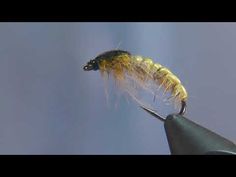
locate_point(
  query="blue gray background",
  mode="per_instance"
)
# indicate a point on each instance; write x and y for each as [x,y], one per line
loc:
[49,105]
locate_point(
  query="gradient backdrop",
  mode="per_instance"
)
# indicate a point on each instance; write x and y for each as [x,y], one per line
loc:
[49,105]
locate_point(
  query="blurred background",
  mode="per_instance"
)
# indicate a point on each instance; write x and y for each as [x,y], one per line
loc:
[49,105]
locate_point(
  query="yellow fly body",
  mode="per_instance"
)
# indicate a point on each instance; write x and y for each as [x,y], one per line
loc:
[142,71]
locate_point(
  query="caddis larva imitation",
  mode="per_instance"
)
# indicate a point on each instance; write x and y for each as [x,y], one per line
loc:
[142,72]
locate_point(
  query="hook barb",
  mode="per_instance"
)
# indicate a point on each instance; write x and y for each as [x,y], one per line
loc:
[153,113]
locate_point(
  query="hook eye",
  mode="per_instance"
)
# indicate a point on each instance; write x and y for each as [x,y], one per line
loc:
[88,67]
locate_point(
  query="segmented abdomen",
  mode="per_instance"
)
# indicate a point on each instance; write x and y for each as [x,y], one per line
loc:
[148,70]
[144,71]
